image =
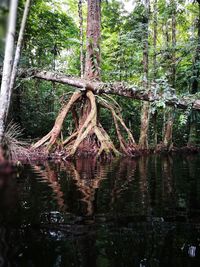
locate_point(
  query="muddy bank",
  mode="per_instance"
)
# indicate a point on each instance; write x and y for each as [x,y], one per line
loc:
[41,155]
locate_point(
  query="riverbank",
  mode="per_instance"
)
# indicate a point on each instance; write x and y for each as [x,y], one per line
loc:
[41,155]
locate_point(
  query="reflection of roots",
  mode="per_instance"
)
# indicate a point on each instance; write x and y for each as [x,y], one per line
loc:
[52,178]
[89,135]
[87,185]
[125,176]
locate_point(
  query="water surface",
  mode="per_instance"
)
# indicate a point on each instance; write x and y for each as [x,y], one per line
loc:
[138,213]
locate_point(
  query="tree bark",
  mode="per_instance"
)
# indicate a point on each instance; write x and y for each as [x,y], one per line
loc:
[194,89]
[80,12]
[155,32]
[168,134]
[167,140]
[18,49]
[174,44]
[192,130]
[143,140]
[92,63]
[117,88]
[7,66]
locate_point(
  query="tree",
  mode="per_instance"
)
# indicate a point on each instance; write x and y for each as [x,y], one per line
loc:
[7,67]
[168,127]
[89,135]
[125,43]
[155,71]
[195,86]
[145,113]
[18,50]
[80,11]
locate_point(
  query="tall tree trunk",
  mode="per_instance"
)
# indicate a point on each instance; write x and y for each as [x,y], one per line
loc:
[174,44]
[80,12]
[167,141]
[92,63]
[7,66]
[18,49]
[143,140]
[4,5]
[155,32]
[168,134]
[194,89]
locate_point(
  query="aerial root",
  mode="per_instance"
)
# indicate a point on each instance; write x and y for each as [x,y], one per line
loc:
[55,132]
[130,147]
[85,131]
[70,138]
[42,141]
[107,145]
[90,127]
[89,135]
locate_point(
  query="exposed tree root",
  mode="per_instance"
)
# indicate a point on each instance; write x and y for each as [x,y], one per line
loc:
[91,127]
[89,135]
[129,147]
[106,143]
[54,133]
[70,138]
[89,123]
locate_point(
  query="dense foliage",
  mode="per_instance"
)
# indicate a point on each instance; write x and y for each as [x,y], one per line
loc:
[52,42]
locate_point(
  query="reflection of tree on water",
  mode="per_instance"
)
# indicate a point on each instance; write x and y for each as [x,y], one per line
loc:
[112,184]
[8,192]
[87,175]
[143,183]
[9,199]
[116,187]
[161,187]
[90,174]
[125,175]
[167,189]
[193,187]
[153,239]
[51,176]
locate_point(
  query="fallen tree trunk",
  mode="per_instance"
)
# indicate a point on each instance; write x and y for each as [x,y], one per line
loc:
[116,88]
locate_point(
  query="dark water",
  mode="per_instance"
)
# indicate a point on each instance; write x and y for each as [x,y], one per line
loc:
[137,213]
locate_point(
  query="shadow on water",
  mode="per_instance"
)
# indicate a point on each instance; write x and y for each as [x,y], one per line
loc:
[143,212]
